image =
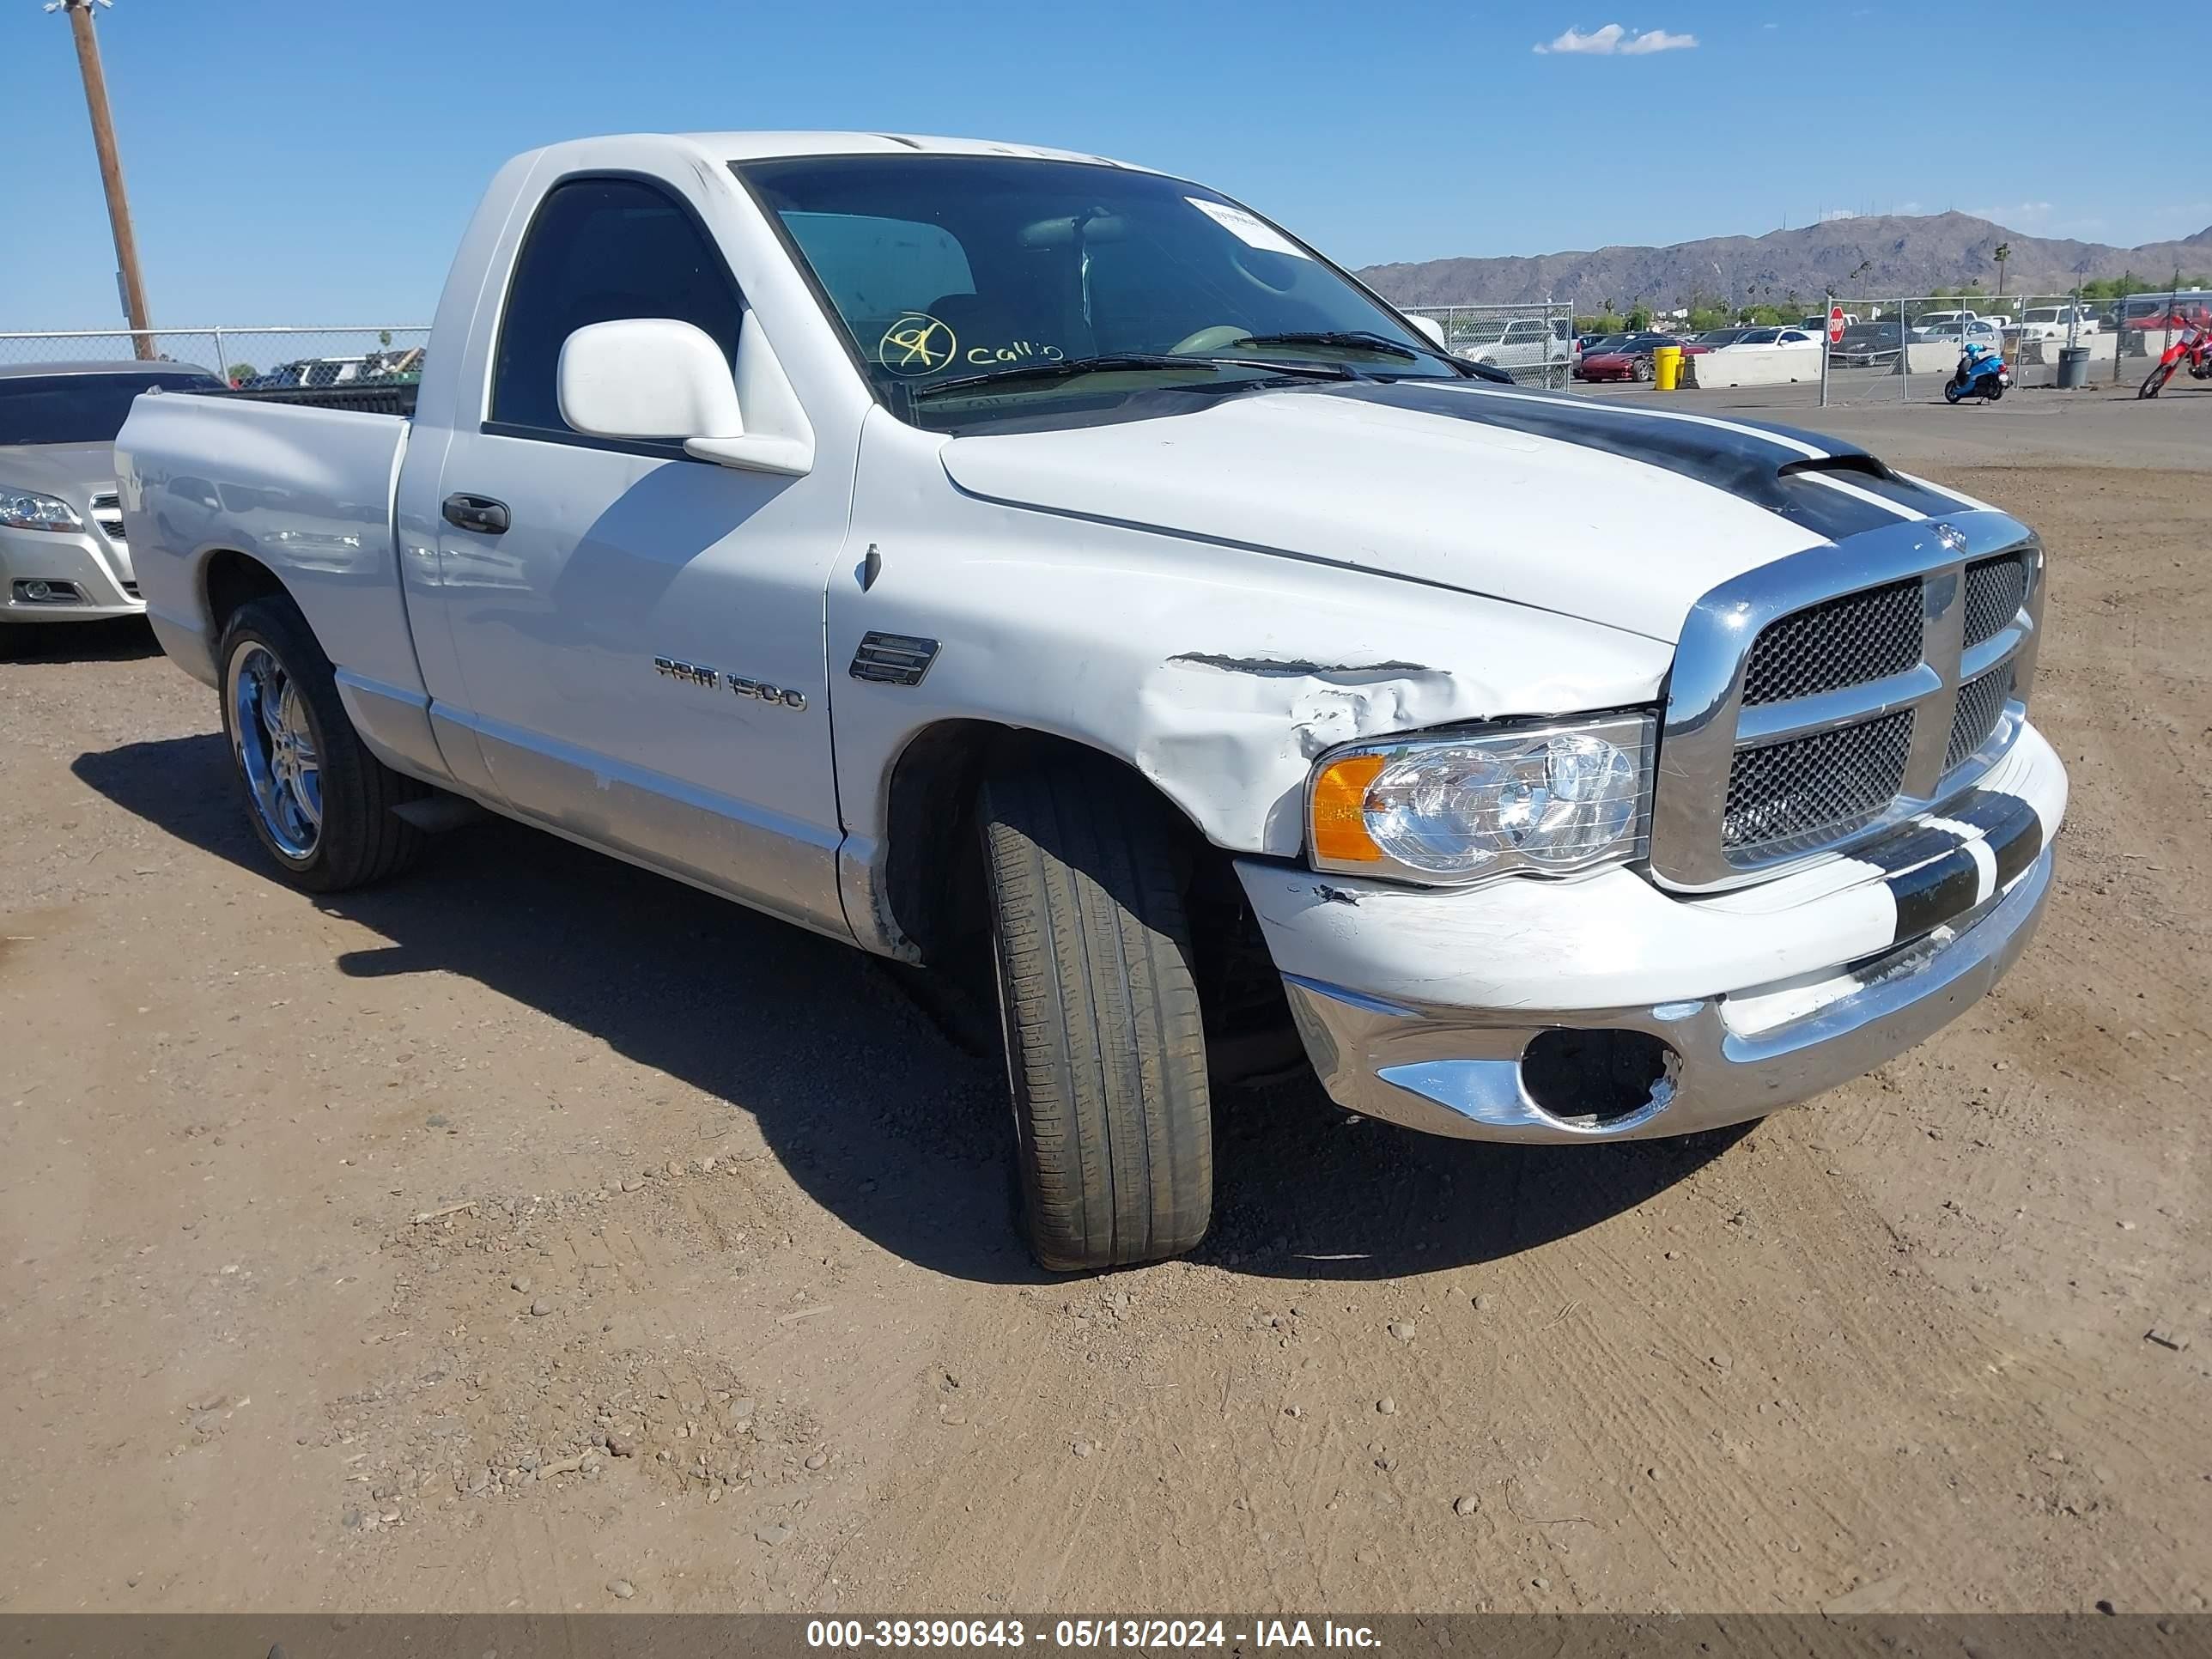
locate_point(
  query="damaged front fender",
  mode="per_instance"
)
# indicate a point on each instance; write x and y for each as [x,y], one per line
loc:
[1218,672]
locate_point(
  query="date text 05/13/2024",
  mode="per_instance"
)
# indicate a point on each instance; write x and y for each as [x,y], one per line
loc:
[1086,1633]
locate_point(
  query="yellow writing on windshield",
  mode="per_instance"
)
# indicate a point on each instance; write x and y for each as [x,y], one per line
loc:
[1015,351]
[917,344]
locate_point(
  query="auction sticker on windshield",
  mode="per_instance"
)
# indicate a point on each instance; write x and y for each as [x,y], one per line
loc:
[1247,228]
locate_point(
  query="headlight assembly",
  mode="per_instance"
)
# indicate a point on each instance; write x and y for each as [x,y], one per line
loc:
[26,509]
[1455,808]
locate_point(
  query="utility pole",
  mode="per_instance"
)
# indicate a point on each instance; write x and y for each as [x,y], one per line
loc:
[111,172]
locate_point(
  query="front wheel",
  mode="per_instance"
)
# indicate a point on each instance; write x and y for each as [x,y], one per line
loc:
[317,800]
[2155,382]
[1951,394]
[1105,1051]
[1644,371]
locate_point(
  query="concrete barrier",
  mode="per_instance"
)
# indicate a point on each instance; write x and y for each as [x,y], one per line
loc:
[1755,366]
[2045,352]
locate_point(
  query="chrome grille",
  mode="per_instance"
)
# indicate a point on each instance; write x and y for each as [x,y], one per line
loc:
[107,513]
[1801,719]
[1846,641]
[1995,589]
[1807,790]
[1980,702]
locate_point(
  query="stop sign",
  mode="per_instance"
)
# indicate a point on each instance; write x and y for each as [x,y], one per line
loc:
[1835,325]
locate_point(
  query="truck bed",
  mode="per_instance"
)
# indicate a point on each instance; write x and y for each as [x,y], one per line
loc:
[284,479]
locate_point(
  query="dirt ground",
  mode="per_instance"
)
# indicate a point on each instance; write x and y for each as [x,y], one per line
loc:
[532,1231]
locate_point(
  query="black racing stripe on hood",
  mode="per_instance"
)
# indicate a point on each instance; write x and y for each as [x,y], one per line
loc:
[1749,464]
[1871,475]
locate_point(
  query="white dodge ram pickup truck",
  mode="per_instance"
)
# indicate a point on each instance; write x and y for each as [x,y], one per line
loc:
[1049,572]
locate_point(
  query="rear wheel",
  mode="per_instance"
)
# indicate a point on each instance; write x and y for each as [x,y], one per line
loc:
[318,801]
[1105,1051]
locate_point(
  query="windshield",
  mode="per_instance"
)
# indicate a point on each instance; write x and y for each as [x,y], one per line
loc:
[943,269]
[81,409]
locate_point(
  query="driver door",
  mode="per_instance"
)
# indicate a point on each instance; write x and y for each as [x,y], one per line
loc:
[619,611]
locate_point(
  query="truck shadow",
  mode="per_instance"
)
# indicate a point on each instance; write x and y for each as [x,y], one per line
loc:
[871,1110]
[122,639]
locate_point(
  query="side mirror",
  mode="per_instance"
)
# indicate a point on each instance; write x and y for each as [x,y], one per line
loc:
[1429,329]
[654,380]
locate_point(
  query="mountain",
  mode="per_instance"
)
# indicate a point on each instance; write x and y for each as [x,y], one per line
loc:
[1902,255]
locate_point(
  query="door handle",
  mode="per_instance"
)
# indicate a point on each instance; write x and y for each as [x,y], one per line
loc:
[477,513]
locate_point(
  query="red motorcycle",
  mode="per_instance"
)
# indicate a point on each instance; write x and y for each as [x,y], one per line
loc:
[2193,346]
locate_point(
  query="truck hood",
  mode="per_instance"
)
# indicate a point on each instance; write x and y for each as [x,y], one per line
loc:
[72,471]
[1604,510]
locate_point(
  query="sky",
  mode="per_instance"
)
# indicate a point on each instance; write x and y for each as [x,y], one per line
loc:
[313,162]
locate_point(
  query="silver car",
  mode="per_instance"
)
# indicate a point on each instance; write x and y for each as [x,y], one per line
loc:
[63,557]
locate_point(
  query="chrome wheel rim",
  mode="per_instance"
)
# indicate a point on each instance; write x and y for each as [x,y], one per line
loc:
[275,744]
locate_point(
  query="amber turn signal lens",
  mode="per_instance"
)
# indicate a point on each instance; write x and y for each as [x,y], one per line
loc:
[1340,818]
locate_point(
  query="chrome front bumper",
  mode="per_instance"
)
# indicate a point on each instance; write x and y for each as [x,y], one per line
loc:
[1460,1072]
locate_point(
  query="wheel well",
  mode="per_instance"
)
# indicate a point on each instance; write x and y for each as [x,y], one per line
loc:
[934,872]
[231,580]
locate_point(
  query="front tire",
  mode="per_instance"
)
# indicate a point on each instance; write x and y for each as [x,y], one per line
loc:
[2155,382]
[318,802]
[1644,370]
[1105,1049]
[1951,392]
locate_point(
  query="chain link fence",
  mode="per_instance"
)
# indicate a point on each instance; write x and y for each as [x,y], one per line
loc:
[255,358]
[1534,343]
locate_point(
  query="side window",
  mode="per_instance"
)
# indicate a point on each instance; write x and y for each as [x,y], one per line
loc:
[600,250]
[1524,333]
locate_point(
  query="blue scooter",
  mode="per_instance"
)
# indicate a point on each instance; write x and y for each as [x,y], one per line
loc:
[1981,373]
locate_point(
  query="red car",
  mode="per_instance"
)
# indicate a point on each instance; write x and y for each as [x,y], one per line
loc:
[2183,311]
[1625,356]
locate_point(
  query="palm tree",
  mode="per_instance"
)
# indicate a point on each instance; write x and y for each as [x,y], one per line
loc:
[2002,253]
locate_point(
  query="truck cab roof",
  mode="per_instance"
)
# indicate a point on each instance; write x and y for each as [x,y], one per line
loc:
[725,147]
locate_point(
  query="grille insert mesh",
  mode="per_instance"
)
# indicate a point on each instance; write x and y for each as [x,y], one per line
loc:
[1996,588]
[1846,641]
[1980,702]
[1788,796]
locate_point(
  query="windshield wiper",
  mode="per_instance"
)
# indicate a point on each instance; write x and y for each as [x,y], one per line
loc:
[1068,367]
[1359,339]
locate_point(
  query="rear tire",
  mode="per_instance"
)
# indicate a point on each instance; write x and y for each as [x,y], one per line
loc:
[1105,1049]
[351,837]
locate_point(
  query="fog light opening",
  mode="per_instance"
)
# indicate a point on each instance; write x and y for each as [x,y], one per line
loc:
[1591,1078]
[35,591]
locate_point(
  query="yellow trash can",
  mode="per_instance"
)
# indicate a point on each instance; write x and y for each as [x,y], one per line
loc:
[1667,367]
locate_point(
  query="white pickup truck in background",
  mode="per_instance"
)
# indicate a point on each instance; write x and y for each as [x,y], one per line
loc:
[1049,572]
